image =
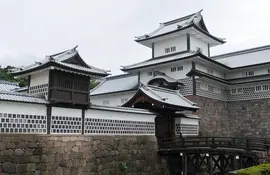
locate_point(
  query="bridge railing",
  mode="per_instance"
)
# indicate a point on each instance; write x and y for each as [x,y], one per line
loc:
[257,144]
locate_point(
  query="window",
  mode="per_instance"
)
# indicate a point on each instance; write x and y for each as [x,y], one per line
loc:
[173,49]
[262,88]
[149,73]
[249,73]
[124,100]
[217,90]
[265,87]
[237,91]
[173,69]
[210,71]
[204,86]
[167,50]
[233,91]
[179,68]
[258,88]
[106,102]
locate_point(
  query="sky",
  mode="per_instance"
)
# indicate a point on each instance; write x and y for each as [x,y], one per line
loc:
[105,30]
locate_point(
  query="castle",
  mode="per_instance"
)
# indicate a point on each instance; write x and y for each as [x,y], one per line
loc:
[232,89]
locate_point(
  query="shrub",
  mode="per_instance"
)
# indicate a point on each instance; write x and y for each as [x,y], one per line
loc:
[263,169]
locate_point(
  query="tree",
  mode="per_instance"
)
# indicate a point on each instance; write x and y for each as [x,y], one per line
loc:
[93,83]
[7,76]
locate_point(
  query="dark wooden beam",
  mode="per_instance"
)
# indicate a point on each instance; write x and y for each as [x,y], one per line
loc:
[28,83]
[83,119]
[49,116]
[188,41]
[153,50]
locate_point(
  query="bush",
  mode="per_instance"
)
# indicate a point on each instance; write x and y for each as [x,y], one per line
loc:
[263,169]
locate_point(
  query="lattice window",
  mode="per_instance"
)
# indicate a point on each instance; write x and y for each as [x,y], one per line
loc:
[186,129]
[22,123]
[62,124]
[173,69]
[180,68]
[217,90]
[248,74]
[187,89]
[118,127]
[39,89]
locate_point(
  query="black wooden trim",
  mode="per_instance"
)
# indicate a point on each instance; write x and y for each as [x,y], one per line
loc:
[139,77]
[177,30]
[193,78]
[49,116]
[16,101]
[194,85]
[188,41]
[28,83]
[208,50]
[153,50]
[70,106]
[83,119]
[49,85]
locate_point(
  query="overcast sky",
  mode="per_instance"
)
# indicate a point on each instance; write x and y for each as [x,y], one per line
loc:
[105,29]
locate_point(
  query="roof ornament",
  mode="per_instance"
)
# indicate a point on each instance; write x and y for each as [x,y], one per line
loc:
[37,62]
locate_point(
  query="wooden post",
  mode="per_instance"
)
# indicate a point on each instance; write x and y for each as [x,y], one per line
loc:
[222,164]
[233,160]
[240,162]
[49,116]
[83,118]
[184,164]
[210,164]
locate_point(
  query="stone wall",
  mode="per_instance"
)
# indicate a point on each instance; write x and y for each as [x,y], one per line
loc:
[250,118]
[214,116]
[79,155]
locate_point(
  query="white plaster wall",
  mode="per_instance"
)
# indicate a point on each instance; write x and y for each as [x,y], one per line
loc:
[67,112]
[115,115]
[23,108]
[195,42]
[187,65]
[114,99]
[39,78]
[216,72]
[239,73]
[179,42]
[187,121]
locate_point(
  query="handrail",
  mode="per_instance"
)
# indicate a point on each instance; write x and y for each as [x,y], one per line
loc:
[250,143]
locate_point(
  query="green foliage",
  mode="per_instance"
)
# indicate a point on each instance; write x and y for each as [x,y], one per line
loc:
[93,83]
[263,169]
[7,76]
[123,166]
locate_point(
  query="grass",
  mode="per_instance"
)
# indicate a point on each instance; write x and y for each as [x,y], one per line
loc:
[263,169]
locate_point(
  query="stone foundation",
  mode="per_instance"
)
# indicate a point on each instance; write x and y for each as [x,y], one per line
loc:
[250,118]
[74,155]
[214,116]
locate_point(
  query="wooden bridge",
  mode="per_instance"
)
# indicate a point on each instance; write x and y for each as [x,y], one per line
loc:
[213,155]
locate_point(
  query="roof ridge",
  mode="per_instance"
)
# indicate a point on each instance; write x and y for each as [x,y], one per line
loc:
[21,94]
[178,19]
[120,76]
[241,52]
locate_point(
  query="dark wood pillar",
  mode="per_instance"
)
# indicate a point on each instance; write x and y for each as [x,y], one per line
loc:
[233,160]
[83,120]
[222,163]
[49,117]
[184,164]
[210,164]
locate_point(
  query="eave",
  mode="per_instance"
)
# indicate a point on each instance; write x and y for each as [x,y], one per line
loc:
[180,29]
[55,64]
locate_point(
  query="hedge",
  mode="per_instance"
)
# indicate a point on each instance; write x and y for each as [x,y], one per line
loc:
[263,169]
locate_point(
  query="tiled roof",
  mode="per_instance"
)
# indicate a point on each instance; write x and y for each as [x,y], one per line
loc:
[20,97]
[8,86]
[59,59]
[158,61]
[194,20]
[115,84]
[258,55]
[167,96]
